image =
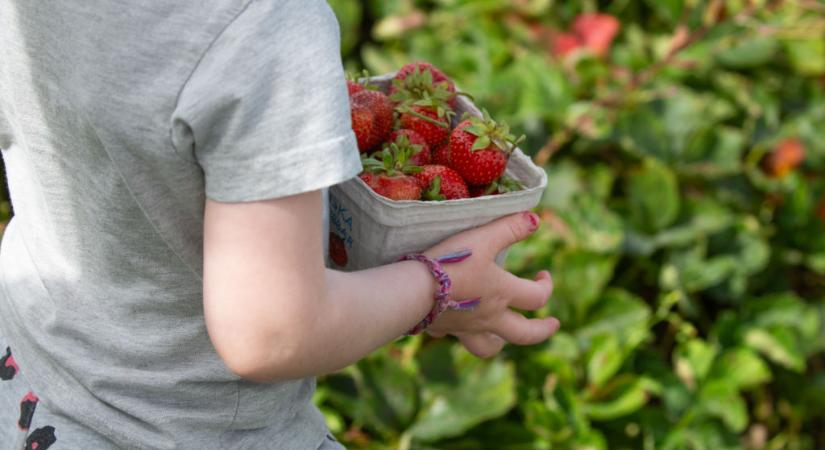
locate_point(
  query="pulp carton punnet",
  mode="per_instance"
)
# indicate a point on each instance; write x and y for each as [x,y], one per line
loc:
[368,230]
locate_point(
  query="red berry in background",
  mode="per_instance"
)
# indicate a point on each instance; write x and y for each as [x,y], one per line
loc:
[480,149]
[441,183]
[596,31]
[421,156]
[380,108]
[441,155]
[430,122]
[564,43]
[786,156]
[820,210]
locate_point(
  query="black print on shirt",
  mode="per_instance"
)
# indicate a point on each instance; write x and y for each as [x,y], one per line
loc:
[27,407]
[40,439]
[8,367]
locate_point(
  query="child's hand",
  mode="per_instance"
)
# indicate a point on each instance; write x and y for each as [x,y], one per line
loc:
[485,330]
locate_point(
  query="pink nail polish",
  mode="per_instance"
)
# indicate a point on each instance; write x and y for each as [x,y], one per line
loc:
[534,220]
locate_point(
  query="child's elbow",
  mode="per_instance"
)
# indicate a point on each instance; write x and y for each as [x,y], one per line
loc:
[261,359]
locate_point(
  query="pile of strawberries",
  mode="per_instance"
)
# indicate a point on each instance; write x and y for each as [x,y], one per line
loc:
[409,149]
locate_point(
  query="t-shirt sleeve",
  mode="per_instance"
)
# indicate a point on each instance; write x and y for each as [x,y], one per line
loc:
[266,112]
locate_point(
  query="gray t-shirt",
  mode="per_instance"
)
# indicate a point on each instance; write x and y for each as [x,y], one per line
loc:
[117,119]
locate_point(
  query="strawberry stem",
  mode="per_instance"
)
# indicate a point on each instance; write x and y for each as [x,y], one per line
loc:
[425,118]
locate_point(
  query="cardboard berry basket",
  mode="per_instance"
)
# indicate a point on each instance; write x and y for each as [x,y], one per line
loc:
[368,230]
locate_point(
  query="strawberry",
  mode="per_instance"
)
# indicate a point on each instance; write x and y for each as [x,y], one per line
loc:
[441,183]
[360,82]
[428,118]
[391,176]
[441,155]
[788,154]
[480,148]
[362,123]
[353,87]
[422,67]
[502,185]
[400,187]
[370,178]
[380,109]
[477,191]
[403,137]
[423,80]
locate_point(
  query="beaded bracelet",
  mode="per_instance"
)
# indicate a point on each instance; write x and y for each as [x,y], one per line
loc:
[443,301]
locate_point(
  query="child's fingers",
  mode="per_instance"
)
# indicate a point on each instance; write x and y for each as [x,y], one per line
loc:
[483,345]
[505,231]
[519,330]
[528,294]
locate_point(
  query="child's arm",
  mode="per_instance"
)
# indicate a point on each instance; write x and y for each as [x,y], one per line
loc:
[273,311]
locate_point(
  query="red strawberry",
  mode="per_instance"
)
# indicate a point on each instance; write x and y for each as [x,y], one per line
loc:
[392,175]
[423,80]
[380,107]
[480,148]
[421,67]
[359,82]
[477,191]
[362,123]
[370,178]
[400,187]
[353,87]
[441,183]
[441,155]
[421,156]
[432,122]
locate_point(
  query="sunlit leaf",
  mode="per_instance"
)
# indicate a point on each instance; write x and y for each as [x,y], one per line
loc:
[482,390]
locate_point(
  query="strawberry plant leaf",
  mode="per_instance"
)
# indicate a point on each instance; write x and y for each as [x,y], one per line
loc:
[484,390]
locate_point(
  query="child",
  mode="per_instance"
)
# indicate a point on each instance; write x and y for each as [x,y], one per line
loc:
[163,284]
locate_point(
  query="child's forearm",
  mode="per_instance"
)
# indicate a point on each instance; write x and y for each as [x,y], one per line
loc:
[274,312]
[360,312]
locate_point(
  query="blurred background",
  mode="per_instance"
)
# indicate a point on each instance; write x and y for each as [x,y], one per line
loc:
[684,223]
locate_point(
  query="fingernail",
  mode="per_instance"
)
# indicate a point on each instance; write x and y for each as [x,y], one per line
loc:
[555,324]
[533,218]
[549,277]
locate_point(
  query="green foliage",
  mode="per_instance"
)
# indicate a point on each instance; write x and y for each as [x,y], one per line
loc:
[690,282]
